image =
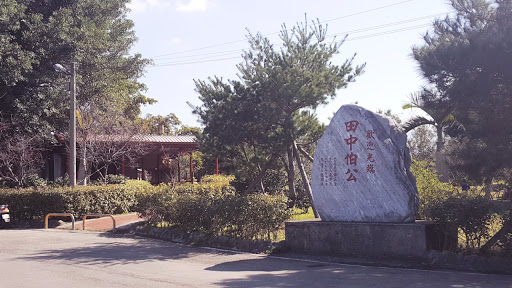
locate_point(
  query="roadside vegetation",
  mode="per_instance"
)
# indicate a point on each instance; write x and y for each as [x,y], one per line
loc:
[262,126]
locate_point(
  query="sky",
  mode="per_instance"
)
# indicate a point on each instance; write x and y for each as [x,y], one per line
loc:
[197,39]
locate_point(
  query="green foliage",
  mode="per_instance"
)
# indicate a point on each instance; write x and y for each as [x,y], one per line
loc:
[214,209]
[506,242]
[62,181]
[431,191]
[473,215]
[26,204]
[95,34]
[467,60]
[251,120]
[115,179]
[421,143]
[34,180]
[214,188]
[226,179]
[164,125]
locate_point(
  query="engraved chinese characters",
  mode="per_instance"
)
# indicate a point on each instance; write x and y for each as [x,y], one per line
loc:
[361,170]
[351,126]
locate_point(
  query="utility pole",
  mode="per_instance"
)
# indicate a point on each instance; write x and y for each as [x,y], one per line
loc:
[72,128]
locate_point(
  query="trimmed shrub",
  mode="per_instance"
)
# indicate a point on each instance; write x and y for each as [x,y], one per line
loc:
[27,204]
[116,179]
[431,191]
[473,215]
[217,179]
[213,208]
[254,216]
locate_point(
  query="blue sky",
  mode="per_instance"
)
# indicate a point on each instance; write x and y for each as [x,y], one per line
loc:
[197,39]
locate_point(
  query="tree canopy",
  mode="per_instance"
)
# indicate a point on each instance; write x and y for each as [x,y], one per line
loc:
[263,110]
[35,35]
[467,60]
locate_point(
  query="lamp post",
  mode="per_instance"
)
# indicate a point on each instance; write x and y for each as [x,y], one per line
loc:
[72,121]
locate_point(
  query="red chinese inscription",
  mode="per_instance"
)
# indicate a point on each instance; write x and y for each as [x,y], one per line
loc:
[351,125]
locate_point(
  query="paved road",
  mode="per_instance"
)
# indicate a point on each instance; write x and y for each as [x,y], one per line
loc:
[55,258]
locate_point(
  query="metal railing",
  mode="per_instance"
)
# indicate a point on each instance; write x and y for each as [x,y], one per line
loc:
[59,214]
[101,215]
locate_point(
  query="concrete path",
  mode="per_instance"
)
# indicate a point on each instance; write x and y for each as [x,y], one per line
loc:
[59,258]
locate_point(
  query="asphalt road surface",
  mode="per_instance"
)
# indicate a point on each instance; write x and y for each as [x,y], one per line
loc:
[54,258]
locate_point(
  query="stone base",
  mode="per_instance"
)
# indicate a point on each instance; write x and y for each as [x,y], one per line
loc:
[377,240]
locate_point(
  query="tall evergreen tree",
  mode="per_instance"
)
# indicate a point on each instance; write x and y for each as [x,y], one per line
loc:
[35,35]
[275,84]
[467,59]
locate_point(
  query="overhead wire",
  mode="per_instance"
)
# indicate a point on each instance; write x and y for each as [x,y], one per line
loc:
[207,57]
[195,61]
[348,39]
[243,40]
[214,56]
[366,29]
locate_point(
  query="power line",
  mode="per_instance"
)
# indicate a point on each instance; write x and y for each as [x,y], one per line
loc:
[367,11]
[220,53]
[209,56]
[388,24]
[388,32]
[243,40]
[194,62]
[348,39]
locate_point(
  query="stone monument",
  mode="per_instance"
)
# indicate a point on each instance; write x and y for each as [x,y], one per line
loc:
[365,194]
[361,170]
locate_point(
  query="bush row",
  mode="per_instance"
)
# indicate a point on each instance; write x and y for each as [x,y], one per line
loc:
[27,204]
[477,218]
[215,209]
[211,207]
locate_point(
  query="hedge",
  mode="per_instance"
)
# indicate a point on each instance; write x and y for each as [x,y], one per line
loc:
[212,207]
[27,204]
[215,209]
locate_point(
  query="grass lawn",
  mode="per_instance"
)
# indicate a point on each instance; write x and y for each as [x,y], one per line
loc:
[298,215]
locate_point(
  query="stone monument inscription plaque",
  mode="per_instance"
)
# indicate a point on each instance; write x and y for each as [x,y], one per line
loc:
[361,170]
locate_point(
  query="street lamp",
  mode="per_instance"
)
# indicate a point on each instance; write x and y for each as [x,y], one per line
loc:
[72,123]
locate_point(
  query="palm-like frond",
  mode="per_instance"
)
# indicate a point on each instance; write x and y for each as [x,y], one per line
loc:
[416,122]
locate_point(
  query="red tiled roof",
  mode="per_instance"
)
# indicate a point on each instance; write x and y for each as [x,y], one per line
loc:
[145,138]
[164,139]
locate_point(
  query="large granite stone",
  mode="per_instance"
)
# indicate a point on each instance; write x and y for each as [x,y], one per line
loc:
[361,170]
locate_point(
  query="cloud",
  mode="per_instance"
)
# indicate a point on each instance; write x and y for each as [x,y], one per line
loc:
[175,40]
[192,6]
[139,6]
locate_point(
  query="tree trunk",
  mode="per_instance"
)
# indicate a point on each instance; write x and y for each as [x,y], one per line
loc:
[488,188]
[82,169]
[289,140]
[258,179]
[305,180]
[291,178]
[262,187]
[443,172]
[507,228]
[305,154]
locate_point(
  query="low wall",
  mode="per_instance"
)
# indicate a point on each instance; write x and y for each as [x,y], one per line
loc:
[368,239]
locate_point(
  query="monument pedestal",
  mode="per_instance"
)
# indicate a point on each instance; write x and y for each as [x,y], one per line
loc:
[377,240]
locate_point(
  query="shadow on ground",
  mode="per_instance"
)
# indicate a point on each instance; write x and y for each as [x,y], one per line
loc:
[128,249]
[278,273]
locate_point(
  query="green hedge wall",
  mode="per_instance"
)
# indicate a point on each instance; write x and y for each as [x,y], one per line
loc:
[215,209]
[212,207]
[27,204]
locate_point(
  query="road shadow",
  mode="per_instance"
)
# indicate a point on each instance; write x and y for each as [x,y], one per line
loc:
[318,274]
[120,249]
